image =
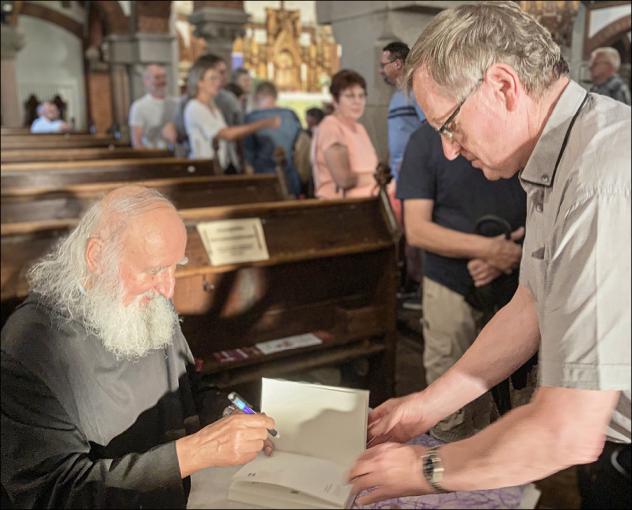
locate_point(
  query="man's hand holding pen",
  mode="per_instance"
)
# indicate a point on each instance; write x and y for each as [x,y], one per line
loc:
[233,440]
[268,445]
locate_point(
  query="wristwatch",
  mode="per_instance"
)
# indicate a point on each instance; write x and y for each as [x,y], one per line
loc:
[432,468]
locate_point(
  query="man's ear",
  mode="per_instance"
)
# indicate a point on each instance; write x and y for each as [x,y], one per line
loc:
[94,248]
[506,84]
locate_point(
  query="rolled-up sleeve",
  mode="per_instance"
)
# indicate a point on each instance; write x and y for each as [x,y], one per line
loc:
[585,313]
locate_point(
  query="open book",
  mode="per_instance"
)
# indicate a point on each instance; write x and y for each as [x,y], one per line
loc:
[322,431]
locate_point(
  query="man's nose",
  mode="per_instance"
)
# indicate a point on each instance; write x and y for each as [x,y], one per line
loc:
[451,149]
[166,283]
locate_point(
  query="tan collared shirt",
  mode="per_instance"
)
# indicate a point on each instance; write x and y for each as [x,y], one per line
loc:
[576,254]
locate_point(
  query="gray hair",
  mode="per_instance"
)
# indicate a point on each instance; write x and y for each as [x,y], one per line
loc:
[460,44]
[61,275]
[610,54]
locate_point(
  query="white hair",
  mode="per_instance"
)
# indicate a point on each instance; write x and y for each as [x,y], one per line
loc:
[609,54]
[460,44]
[62,279]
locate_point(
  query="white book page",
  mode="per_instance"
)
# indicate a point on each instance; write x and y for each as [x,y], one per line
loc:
[325,422]
[315,477]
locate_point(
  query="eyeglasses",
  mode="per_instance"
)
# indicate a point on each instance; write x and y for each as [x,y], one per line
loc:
[447,129]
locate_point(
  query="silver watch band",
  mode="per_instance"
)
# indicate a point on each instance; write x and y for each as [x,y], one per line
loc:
[432,468]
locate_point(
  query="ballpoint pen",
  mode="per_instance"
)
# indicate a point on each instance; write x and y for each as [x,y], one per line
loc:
[245,407]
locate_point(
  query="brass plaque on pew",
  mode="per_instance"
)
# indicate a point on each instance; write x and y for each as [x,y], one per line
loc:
[233,241]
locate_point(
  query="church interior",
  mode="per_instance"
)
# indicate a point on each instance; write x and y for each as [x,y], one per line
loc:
[221,108]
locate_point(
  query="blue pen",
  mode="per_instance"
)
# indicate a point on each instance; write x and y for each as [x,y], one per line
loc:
[245,407]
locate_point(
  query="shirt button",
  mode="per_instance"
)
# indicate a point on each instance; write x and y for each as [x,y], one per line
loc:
[538,207]
[545,178]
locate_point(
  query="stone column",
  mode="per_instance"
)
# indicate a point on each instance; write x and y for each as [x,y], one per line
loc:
[355,26]
[219,24]
[12,42]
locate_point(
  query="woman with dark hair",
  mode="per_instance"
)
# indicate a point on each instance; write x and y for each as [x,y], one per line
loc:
[343,156]
[204,122]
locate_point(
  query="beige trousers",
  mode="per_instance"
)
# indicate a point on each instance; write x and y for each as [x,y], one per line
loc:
[450,325]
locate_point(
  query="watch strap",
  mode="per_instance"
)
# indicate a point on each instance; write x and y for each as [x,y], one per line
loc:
[432,468]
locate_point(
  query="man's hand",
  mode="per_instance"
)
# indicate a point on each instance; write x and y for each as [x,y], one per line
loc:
[393,470]
[397,419]
[481,272]
[274,122]
[504,254]
[169,132]
[231,441]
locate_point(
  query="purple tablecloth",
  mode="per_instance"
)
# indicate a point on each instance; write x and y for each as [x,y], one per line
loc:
[507,497]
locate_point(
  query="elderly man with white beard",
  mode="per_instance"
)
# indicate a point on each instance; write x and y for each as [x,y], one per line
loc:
[97,406]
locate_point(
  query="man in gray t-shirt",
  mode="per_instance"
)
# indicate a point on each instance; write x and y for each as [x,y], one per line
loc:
[151,117]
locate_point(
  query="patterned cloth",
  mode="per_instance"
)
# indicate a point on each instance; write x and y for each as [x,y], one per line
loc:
[507,497]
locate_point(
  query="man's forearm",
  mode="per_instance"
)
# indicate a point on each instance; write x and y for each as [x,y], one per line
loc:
[504,345]
[447,242]
[514,450]
[560,427]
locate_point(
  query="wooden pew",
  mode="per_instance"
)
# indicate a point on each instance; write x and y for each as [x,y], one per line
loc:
[332,269]
[57,140]
[14,131]
[22,213]
[29,178]
[81,154]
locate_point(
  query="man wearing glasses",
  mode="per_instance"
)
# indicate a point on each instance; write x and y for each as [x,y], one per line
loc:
[494,84]
[404,117]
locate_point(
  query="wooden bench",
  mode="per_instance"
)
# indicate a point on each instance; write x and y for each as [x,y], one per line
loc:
[57,140]
[23,213]
[30,178]
[81,154]
[14,131]
[332,269]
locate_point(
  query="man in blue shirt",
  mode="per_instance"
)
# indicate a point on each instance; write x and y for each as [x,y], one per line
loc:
[404,116]
[259,147]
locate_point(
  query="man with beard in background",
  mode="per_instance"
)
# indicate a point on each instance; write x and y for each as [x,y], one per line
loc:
[97,406]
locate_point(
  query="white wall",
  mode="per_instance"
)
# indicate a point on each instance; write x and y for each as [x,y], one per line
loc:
[51,62]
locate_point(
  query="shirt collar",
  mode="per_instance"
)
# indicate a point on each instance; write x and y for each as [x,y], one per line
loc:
[544,159]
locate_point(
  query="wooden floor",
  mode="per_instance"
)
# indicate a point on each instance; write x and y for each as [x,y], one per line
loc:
[557,491]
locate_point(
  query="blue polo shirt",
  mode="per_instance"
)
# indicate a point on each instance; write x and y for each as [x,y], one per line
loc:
[404,117]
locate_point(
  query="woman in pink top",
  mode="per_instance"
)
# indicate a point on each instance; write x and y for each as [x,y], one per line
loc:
[343,156]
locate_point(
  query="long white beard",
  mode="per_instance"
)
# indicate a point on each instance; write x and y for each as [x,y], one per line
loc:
[131,331]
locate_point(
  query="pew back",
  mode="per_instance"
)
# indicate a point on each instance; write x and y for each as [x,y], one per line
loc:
[80,154]
[57,140]
[37,211]
[29,178]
